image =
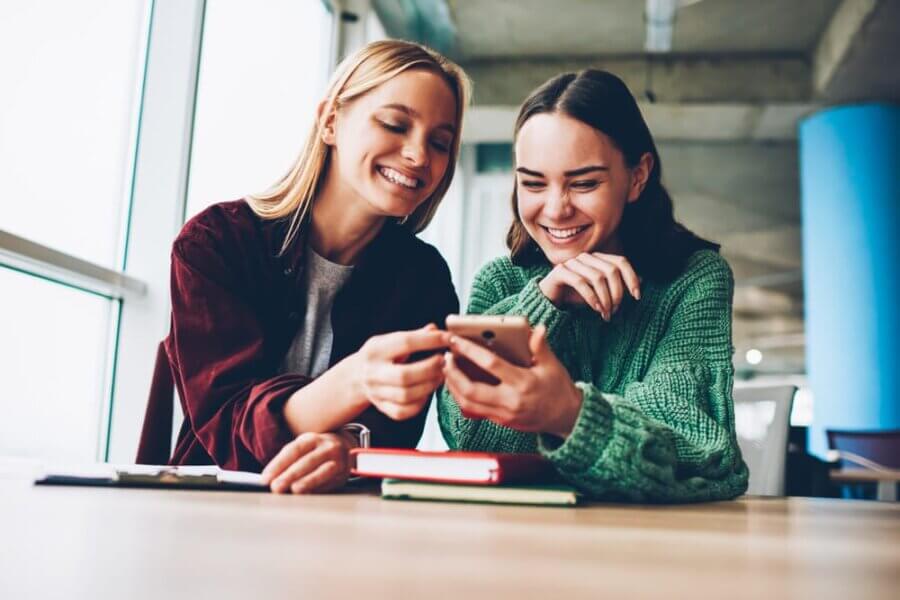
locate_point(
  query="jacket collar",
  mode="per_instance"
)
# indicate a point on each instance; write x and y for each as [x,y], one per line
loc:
[389,238]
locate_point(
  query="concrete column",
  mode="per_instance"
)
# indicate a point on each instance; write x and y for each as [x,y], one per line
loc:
[850,188]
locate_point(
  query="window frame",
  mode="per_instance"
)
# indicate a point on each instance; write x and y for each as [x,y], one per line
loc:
[172,72]
[30,258]
[154,211]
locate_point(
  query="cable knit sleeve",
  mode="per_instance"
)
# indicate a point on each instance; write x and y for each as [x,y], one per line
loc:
[668,437]
[493,294]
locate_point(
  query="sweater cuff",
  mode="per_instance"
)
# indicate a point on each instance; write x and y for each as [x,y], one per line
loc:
[533,304]
[590,435]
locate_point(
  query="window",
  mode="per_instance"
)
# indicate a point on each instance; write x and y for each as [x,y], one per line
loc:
[68,122]
[225,81]
[55,343]
[262,70]
[67,116]
[118,118]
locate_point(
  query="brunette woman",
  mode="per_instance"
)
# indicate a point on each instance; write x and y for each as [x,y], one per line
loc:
[629,393]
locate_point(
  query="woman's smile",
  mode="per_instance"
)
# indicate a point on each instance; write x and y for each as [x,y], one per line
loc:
[565,236]
[399,179]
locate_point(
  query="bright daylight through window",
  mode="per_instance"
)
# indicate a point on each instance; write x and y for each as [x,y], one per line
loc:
[68,117]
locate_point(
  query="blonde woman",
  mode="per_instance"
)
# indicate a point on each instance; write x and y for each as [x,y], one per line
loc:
[295,312]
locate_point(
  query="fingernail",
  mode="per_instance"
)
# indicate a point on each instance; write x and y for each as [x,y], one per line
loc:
[636,293]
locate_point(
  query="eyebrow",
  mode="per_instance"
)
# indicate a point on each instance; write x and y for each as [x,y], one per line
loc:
[572,173]
[415,114]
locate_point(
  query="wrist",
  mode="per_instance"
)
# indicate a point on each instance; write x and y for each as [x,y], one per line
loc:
[571,408]
[348,439]
[547,289]
[352,372]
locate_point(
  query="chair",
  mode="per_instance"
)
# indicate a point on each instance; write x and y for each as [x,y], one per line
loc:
[154,447]
[875,451]
[762,419]
[882,447]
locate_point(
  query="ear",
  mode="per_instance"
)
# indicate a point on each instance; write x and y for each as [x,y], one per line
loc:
[325,116]
[639,176]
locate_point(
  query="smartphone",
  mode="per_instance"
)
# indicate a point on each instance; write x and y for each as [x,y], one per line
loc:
[507,336]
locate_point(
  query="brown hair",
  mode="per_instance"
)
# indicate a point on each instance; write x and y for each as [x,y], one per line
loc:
[655,244]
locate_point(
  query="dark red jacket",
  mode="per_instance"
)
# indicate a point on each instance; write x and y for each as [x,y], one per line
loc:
[236,307]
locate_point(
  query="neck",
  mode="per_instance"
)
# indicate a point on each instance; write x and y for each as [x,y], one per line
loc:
[341,226]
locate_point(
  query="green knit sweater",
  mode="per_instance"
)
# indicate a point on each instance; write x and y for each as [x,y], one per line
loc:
[657,418]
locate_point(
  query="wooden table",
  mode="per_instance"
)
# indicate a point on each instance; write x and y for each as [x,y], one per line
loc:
[62,542]
[887,480]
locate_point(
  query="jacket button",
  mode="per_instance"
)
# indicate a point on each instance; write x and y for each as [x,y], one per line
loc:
[288,270]
[294,316]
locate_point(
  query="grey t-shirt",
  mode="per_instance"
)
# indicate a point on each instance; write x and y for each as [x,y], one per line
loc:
[311,349]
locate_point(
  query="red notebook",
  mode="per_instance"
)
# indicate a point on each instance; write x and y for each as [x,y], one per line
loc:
[485,468]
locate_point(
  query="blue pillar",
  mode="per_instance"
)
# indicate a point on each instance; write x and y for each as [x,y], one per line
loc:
[850,188]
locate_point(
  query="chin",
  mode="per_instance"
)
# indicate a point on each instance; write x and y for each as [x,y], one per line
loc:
[558,256]
[395,203]
[559,253]
[394,207]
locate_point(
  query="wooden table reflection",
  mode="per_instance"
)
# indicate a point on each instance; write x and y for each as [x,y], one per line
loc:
[116,543]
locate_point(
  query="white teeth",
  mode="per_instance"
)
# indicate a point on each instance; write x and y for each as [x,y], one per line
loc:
[565,233]
[398,178]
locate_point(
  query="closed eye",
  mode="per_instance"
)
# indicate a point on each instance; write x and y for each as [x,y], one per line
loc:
[441,146]
[392,127]
[586,184]
[532,184]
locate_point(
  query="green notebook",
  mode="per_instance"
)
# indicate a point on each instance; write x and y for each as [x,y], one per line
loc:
[545,495]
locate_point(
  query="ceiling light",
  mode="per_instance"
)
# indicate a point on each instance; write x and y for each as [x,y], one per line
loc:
[754,356]
[660,19]
[659,15]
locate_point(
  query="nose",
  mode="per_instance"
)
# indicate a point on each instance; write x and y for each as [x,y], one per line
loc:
[415,152]
[558,207]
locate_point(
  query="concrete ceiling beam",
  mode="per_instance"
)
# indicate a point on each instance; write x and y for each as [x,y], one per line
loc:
[669,79]
[708,122]
[856,57]
[834,46]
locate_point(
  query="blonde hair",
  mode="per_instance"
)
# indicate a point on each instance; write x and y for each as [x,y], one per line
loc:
[372,65]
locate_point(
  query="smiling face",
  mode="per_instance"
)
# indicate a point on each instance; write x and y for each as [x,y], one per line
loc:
[391,146]
[572,185]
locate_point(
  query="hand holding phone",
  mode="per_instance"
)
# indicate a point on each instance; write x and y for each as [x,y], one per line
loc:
[506,336]
[530,390]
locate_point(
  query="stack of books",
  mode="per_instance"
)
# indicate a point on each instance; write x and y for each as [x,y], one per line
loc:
[464,477]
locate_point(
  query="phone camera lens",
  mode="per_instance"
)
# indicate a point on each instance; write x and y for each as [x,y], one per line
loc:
[487,334]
